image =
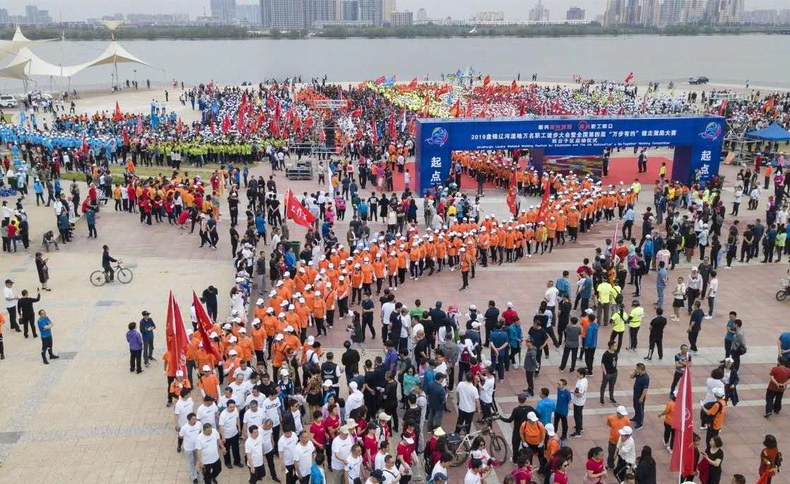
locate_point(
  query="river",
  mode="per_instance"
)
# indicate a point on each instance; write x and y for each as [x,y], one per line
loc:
[726,59]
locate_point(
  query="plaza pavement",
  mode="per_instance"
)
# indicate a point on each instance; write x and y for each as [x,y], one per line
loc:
[85,418]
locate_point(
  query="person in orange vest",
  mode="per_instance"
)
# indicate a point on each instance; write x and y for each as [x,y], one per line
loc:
[319,313]
[379,271]
[368,277]
[533,434]
[343,291]
[331,302]
[466,266]
[258,339]
[553,443]
[208,382]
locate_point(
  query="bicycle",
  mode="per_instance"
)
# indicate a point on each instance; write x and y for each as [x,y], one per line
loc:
[461,450]
[122,274]
[782,294]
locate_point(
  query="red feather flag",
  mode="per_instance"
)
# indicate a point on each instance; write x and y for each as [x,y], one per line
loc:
[204,327]
[514,86]
[375,127]
[380,80]
[629,77]
[225,124]
[512,196]
[683,423]
[412,84]
[523,109]
[176,337]
[296,211]
[487,81]
[118,116]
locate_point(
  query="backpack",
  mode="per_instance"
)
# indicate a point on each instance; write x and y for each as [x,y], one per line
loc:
[466,355]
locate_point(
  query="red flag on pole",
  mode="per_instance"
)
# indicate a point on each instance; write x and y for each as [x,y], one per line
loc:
[138,130]
[118,116]
[204,326]
[375,127]
[176,335]
[84,144]
[683,422]
[413,83]
[523,110]
[764,479]
[179,128]
[381,80]
[225,124]
[514,86]
[487,81]
[512,197]
[296,211]
[393,133]
[629,77]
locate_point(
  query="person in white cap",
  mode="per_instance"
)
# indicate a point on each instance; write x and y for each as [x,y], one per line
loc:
[356,398]
[615,422]
[341,450]
[626,453]
[183,408]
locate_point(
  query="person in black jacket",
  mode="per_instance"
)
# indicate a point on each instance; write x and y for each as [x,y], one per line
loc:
[27,315]
[645,472]
[518,416]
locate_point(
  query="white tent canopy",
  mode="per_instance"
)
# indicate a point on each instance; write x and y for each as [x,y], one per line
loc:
[17,43]
[114,54]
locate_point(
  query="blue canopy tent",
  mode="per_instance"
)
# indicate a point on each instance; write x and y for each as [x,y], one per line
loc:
[772,133]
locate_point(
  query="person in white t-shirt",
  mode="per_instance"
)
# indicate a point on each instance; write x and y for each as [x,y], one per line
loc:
[240,389]
[183,407]
[713,289]
[468,396]
[579,398]
[442,467]
[255,395]
[230,429]
[253,416]
[208,412]
[390,470]
[303,457]
[271,410]
[11,297]
[477,473]
[354,465]
[209,446]
[286,446]
[341,449]
[268,448]
[381,456]
[189,434]
[253,448]
[487,392]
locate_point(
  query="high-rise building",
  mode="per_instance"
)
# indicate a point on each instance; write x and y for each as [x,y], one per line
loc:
[539,13]
[319,11]
[223,11]
[371,11]
[400,19]
[651,13]
[388,7]
[575,13]
[4,17]
[288,14]
[615,13]
[422,15]
[154,18]
[489,17]
[633,12]
[672,12]
[249,14]
[350,11]
[35,16]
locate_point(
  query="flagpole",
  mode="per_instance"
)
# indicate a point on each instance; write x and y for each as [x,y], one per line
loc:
[683,427]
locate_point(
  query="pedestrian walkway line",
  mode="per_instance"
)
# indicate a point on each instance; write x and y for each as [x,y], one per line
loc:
[708,355]
[507,429]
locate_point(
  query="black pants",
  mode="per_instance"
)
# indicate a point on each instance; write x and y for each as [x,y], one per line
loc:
[134,360]
[12,318]
[669,435]
[578,418]
[367,322]
[530,381]
[464,421]
[232,446]
[608,379]
[611,453]
[270,463]
[211,471]
[693,340]
[773,402]
[257,474]
[589,357]
[656,342]
[633,333]
[148,350]
[290,474]
[561,419]
[565,352]
[675,379]
[28,322]
[46,347]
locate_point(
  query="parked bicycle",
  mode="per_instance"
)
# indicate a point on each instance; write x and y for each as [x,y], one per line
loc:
[461,449]
[121,274]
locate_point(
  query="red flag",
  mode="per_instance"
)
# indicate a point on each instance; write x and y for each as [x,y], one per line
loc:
[138,130]
[683,422]
[357,112]
[204,326]
[118,116]
[629,77]
[514,86]
[297,123]
[523,110]
[512,197]
[487,81]
[381,80]
[723,107]
[308,122]
[412,84]
[225,124]
[455,111]
[296,211]
[125,137]
[764,478]
[176,335]
[211,126]
[375,127]
[84,144]
[179,127]
[393,133]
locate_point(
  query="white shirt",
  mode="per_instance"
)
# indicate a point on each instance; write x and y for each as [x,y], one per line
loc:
[487,395]
[253,418]
[713,286]
[247,372]
[378,462]
[183,407]
[10,297]
[190,434]
[297,416]
[209,447]
[581,387]
[626,450]
[353,467]
[286,446]
[472,478]
[271,408]
[303,458]
[260,399]
[341,447]
[229,422]
[711,384]
[266,437]
[438,469]
[254,447]
[467,394]
[207,414]
[551,296]
[441,368]
[240,392]
[354,401]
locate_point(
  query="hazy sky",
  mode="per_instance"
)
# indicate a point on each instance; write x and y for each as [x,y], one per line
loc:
[514,9]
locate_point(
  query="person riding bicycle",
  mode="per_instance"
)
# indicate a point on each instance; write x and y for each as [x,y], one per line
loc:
[106,259]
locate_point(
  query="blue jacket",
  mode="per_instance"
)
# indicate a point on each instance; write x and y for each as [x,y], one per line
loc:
[544,409]
[90,217]
[563,286]
[563,400]
[515,335]
[591,338]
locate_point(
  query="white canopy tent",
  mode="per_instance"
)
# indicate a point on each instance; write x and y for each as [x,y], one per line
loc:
[25,64]
[17,43]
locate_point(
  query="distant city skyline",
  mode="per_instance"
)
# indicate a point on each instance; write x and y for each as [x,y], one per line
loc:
[80,10]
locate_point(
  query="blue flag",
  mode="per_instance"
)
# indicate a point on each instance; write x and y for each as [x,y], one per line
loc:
[22,117]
